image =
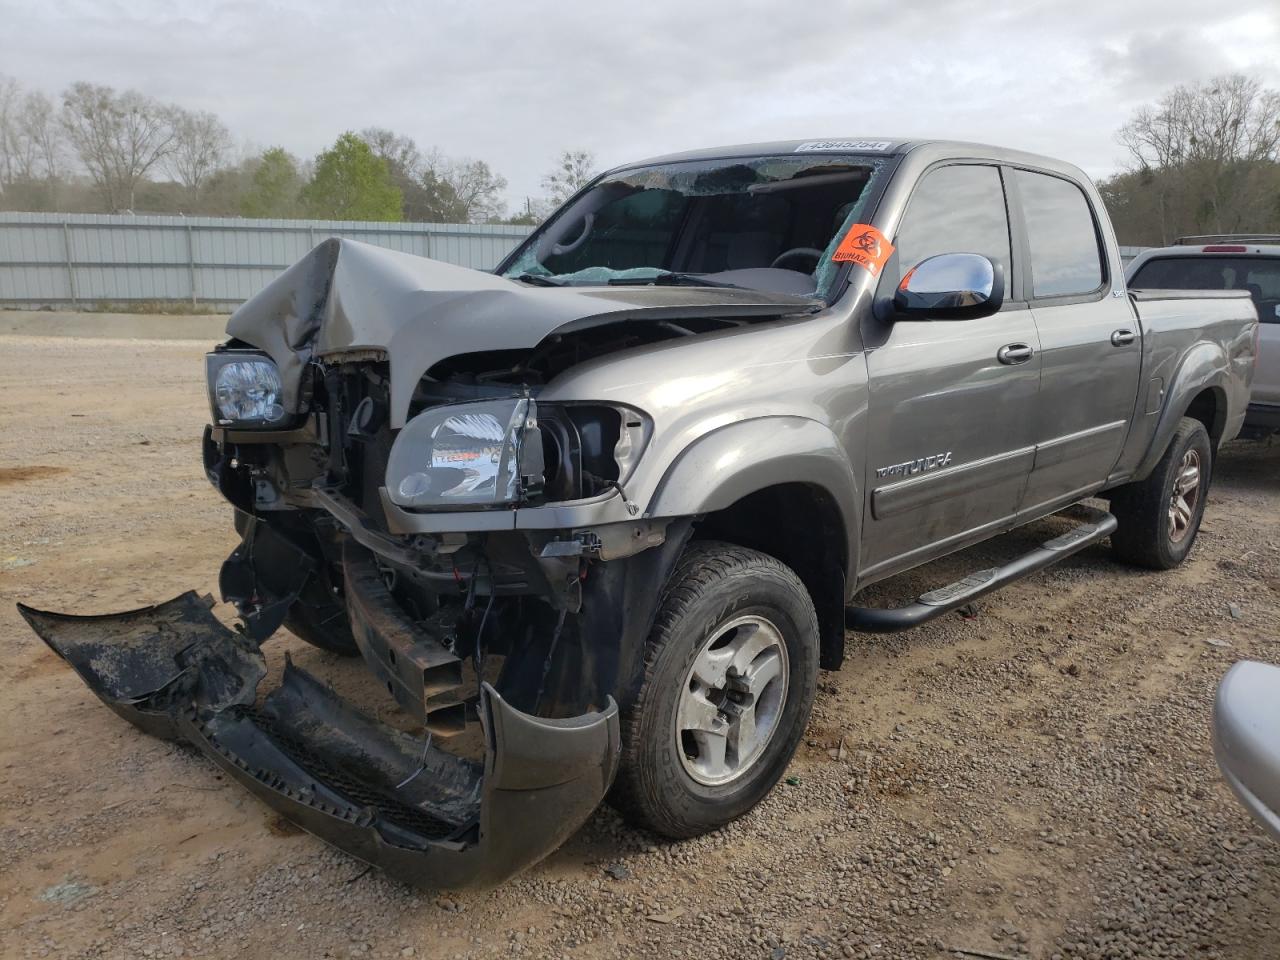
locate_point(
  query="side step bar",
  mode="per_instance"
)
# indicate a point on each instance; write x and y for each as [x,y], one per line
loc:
[1097,526]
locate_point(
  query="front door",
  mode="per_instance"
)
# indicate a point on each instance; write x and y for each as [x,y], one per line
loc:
[949,438]
[1090,344]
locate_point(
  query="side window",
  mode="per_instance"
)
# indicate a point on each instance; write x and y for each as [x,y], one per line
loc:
[957,209]
[1066,259]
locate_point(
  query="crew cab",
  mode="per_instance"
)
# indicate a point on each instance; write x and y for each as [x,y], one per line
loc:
[596,519]
[1248,262]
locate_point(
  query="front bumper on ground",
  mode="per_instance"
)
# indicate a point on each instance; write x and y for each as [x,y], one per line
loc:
[1246,738]
[423,815]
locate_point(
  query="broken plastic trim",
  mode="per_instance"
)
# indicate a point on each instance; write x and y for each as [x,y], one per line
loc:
[424,816]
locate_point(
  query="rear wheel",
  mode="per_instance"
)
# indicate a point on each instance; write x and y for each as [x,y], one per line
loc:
[1160,516]
[729,678]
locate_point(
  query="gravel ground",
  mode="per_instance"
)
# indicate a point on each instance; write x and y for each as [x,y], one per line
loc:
[1035,781]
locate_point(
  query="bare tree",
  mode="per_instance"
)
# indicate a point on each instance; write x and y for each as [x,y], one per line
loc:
[1204,159]
[201,143]
[573,171]
[476,189]
[38,126]
[434,187]
[1230,118]
[30,148]
[401,154]
[10,103]
[118,137]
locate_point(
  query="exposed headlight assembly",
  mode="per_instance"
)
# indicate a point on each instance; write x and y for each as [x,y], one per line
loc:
[466,455]
[244,389]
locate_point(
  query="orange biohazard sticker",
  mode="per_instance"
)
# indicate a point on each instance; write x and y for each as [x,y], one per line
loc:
[866,246]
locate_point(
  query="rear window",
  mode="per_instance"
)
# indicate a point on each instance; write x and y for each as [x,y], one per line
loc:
[1259,275]
[1066,259]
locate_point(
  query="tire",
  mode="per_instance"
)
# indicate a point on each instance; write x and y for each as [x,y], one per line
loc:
[670,778]
[1148,534]
[319,616]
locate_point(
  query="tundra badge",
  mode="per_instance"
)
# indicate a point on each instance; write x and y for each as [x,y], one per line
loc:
[912,467]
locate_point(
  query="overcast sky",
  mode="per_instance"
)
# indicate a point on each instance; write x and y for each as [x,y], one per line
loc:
[515,82]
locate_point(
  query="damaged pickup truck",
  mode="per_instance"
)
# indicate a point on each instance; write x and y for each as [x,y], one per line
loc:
[606,510]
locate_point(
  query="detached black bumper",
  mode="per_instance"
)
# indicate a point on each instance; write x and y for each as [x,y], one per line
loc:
[425,816]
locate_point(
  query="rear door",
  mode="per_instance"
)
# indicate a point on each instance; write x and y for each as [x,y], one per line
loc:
[1090,341]
[949,443]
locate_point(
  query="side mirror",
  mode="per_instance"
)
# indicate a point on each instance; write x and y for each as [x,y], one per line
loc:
[950,286]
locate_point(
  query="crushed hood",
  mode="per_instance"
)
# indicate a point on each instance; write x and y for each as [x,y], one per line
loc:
[346,296]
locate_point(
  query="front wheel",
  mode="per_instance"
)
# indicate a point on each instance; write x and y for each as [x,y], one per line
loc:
[1159,517]
[729,678]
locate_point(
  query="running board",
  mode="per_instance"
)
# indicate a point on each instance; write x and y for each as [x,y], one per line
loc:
[1098,525]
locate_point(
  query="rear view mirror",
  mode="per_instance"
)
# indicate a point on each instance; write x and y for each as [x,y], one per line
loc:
[950,286]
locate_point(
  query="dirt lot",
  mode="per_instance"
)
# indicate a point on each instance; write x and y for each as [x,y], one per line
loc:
[1034,781]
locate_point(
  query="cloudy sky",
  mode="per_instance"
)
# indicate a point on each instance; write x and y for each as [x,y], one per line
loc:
[515,82]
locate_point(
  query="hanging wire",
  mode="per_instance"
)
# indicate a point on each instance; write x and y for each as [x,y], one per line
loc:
[479,655]
[422,763]
[546,664]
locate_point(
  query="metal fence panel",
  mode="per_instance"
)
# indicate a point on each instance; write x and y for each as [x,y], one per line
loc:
[82,260]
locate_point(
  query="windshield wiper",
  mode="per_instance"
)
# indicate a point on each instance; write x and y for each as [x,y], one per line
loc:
[672,280]
[538,280]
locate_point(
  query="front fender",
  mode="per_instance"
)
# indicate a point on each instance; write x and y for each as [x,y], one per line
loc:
[1204,367]
[722,467]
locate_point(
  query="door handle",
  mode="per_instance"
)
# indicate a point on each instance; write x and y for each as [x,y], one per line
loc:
[1012,353]
[1122,338]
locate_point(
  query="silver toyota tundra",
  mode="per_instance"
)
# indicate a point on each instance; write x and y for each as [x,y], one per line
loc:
[595,520]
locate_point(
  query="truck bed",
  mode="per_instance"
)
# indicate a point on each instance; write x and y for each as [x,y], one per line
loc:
[1197,332]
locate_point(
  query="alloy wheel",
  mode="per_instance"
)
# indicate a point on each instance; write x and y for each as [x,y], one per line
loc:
[1185,496]
[732,700]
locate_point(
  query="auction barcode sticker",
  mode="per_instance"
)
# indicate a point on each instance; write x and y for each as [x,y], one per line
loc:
[813,146]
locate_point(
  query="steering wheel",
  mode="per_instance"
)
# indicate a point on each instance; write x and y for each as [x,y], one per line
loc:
[796,253]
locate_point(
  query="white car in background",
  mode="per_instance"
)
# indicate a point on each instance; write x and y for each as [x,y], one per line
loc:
[1228,262]
[1246,738]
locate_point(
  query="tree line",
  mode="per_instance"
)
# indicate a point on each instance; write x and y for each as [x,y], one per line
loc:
[101,150]
[1204,159]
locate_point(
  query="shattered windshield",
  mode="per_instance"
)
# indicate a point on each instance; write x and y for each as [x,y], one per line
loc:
[767,223]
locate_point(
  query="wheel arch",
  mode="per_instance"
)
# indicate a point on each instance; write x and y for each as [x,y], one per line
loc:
[799,524]
[1209,406]
[786,487]
[1198,390]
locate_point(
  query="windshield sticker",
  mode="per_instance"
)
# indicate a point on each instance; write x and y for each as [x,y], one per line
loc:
[811,146]
[866,246]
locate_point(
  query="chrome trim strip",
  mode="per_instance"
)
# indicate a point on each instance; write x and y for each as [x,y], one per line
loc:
[1072,445]
[913,493]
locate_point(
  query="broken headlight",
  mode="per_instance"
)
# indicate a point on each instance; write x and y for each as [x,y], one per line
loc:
[244,389]
[466,455]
